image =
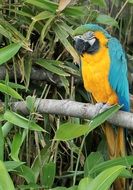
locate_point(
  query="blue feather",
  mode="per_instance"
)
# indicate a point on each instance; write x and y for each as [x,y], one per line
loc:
[118,73]
[92,27]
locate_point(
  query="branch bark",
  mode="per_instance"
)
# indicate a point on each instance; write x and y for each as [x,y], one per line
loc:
[74,109]
[36,74]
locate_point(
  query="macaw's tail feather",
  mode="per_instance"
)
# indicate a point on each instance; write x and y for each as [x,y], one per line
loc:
[116,148]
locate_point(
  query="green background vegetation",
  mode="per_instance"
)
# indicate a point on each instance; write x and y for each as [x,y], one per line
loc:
[44,151]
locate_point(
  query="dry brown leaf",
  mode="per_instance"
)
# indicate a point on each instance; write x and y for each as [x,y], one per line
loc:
[63,4]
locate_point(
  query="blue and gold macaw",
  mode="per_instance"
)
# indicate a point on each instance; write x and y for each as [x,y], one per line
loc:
[104,72]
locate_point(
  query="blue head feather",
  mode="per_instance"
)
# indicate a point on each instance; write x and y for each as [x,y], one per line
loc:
[90,27]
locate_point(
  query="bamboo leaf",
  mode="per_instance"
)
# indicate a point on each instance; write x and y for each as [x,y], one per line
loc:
[44,4]
[106,178]
[70,131]
[92,161]
[13,85]
[48,174]
[60,34]
[12,165]
[9,91]
[106,19]
[130,1]
[14,35]
[5,180]
[50,66]
[84,183]
[102,117]
[76,11]
[126,161]
[1,144]
[16,144]
[63,4]
[6,128]
[37,165]
[20,121]
[100,3]
[46,27]
[42,16]
[6,53]
[27,173]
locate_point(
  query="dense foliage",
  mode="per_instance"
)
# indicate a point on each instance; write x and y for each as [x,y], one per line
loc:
[44,151]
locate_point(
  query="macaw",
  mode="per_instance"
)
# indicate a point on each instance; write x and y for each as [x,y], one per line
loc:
[104,73]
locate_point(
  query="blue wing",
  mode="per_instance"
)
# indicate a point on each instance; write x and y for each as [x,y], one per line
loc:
[118,73]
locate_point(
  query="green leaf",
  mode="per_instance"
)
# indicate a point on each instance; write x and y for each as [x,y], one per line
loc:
[106,178]
[73,187]
[6,128]
[48,64]
[126,161]
[84,183]
[106,19]
[30,186]
[48,174]
[43,15]
[102,117]
[1,144]
[66,27]
[16,144]
[30,103]
[27,173]
[40,160]
[100,3]
[46,27]
[9,51]
[5,32]
[76,11]
[14,34]
[44,4]
[12,165]
[9,91]
[22,13]
[70,131]
[13,85]
[92,161]
[5,180]
[59,188]
[60,33]
[130,1]
[20,121]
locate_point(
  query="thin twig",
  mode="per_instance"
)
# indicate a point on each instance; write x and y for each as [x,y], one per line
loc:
[122,8]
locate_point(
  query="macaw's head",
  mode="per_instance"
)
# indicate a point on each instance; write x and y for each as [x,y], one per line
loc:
[89,38]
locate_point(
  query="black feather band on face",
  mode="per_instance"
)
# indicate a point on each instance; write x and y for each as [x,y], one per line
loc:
[85,46]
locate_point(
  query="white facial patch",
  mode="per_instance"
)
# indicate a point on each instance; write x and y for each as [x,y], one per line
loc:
[89,37]
[92,41]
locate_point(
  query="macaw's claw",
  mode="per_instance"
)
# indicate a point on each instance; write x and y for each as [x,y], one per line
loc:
[101,107]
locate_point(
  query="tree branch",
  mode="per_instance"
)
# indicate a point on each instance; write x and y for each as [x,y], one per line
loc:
[36,74]
[74,109]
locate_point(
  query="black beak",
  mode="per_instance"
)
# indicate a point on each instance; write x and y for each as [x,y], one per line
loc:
[80,45]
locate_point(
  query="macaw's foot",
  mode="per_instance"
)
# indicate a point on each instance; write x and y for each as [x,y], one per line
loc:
[101,107]
[105,107]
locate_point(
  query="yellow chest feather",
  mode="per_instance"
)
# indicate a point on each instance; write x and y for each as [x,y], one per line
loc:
[95,71]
